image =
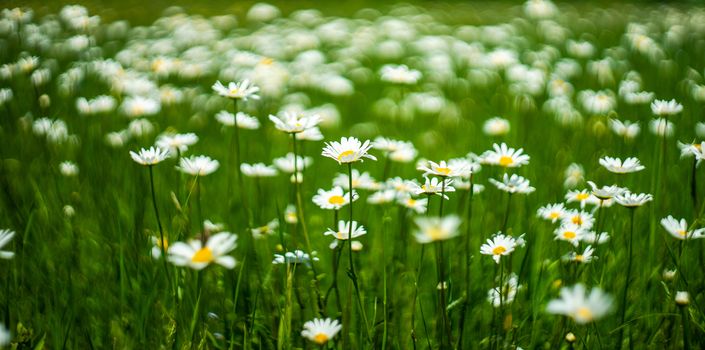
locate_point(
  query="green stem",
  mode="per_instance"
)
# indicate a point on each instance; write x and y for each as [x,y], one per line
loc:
[466,304]
[159,223]
[351,272]
[629,276]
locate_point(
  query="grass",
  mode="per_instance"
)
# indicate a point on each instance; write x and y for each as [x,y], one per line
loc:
[83,275]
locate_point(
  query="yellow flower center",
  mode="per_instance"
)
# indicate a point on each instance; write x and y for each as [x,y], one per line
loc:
[163,243]
[204,255]
[682,233]
[577,220]
[582,196]
[579,258]
[345,154]
[506,161]
[234,91]
[355,183]
[411,202]
[584,313]
[320,338]
[569,234]
[554,215]
[341,235]
[499,250]
[264,229]
[443,171]
[336,200]
[266,61]
[435,233]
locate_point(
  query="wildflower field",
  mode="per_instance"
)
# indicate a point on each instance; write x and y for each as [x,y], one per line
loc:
[354,176]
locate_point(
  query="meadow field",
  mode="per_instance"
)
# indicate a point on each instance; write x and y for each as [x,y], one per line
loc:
[358,175]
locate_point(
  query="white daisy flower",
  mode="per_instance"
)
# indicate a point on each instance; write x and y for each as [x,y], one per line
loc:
[698,150]
[286,163]
[320,331]
[583,258]
[570,233]
[237,90]
[258,170]
[583,197]
[176,142]
[198,165]
[5,238]
[150,156]
[504,156]
[196,256]
[265,230]
[496,126]
[400,74]
[553,212]
[434,186]
[333,199]
[310,134]
[68,168]
[661,127]
[348,150]
[295,257]
[294,123]
[444,169]
[432,229]
[243,120]
[290,215]
[682,298]
[625,129]
[597,103]
[663,108]
[382,197]
[591,237]
[157,246]
[605,192]
[582,308]
[632,200]
[679,229]
[513,184]
[499,245]
[574,175]
[581,218]
[417,205]
[509,291]
[343,232]
[138,106]
[617,166]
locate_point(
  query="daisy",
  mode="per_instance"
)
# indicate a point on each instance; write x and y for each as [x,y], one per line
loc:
[661,127]
[211,226]
[597,103]
[198,165]
[432,229]
[509,292]
[663,108]
[682,298]
[443,169]
[689,149]
[157,246]
[197,256]
[624,129]
[574,175]
[355,246]
[698,150]
[310,134]
[397,151]
[633,200]
[382,197]
[679,229]
[5,238]
[68,168]
[591,237]
[402,186]
[581,218]
[348,150]
[513,184]
[258,170]
[138,106]
[333,199]
[553,212]
[295,257]
[320,331]
[469,164]
[243,120]
[617,166]
[294,123]
[570,233]
[286,163]
[238,91]
[290,215]
[584,258]
[582,308]
[176,142]
[343,232]
[266,230]
[505,157]
[400,74]
[150,156]
[499,245]
[361,181]
[605,192]
[583,197]
[496,126]
[434,186]
[417,205]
